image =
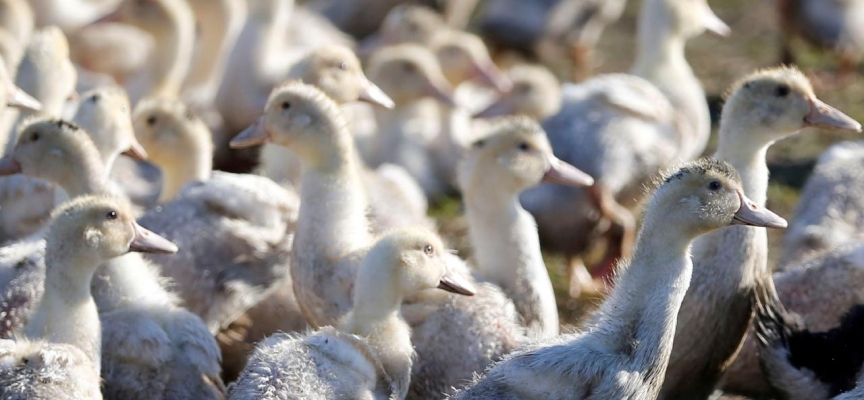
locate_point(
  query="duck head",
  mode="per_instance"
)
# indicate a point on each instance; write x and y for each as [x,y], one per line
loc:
[409,73]
[105,114]
[535,93]
[336,70]
[463,56]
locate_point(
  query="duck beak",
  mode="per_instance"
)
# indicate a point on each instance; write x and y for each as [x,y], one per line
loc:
[16,97]
[565,174]
[252,136]
[146,241]
[8,166]
[441,92]
[713,23]
[489,74]
[454,283]
[824,116]
[136,151]
[371,93]
[751,214]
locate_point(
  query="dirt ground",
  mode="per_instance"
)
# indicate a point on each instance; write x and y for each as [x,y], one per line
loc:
[719,62]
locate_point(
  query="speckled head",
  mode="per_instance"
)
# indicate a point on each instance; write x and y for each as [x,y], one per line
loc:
[48,148]
[706,194]
[409,72]
[771,104]
[514,156]
[104,225]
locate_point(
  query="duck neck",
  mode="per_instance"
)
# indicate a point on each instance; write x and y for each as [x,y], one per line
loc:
[643,307]
[749,161]
[84,176]
[333,202]
[507,251]
[128,280]
[174,45]
[224,19]
[197,166]
[67,312]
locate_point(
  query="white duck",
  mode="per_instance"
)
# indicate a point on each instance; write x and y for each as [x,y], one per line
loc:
[16,19]
[370,355]
[59,355]
[172,25]
[71,15]
[625,347]
[622,129]
[134,306]
[235,230]
[410,73]
[452,338]
[514,156]
[764,107]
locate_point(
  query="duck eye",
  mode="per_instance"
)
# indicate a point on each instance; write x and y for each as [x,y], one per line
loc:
[524,146]
[151,120]
[782,91]
[111,215]
[343,66]
[408,67]
[286,105]
[479,144]
[428,250]
[714,185]
[523,88]
[94,98]
[34,137]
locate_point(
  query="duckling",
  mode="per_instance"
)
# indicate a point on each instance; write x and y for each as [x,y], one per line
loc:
[238,228]
[764,107]
[134,306]
[453,339]
[219,24]
[832,25]
[516,155]
[105,114]
[661,99]
[59,356]
[371,354]
[574,27]
[409,73]
[172,25]
[626,345]
[46,74]
[535,92]
[338,73]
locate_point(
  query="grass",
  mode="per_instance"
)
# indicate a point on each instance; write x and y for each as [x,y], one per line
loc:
[718,62]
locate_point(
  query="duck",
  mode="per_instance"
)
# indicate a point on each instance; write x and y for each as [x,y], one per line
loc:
[514,156]
[763,107]
[409,73]
[625,346]
[535,92]
[661,95]
[16,19]
[572,30]
[235,229]
[336,70]
[402,24]
[218,25]
[452,338]
[46,74]
[798,358]
[833,26]
[59,353]
[171,23]
[370,354]
[829,210]
[129,291]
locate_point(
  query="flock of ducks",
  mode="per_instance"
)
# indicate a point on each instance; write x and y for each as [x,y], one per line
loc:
[236,206]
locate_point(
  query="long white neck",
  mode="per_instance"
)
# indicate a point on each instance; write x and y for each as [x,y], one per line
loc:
[85,175]
[660,59]
[198,166]
[748,160]
[171,60]
[67,312]
[507,250]
[333,208]
[219,23]
[643,309]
